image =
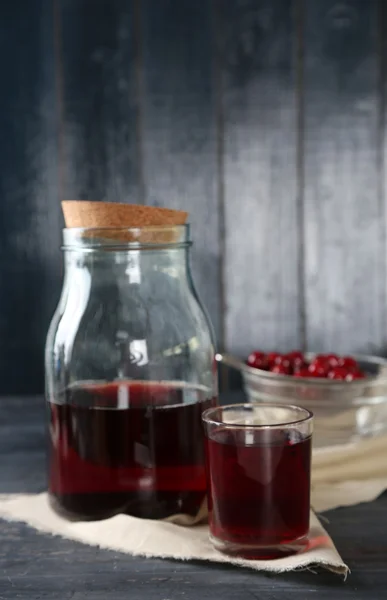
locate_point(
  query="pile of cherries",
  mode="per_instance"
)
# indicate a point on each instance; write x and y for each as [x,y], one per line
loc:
[323,366]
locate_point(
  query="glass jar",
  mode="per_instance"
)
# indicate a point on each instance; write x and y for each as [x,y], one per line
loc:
[129,369]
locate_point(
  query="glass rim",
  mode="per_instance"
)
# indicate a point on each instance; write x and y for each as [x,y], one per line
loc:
[110,238]
[207,414]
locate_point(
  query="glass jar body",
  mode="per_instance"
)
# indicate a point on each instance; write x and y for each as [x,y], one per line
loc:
[129,369]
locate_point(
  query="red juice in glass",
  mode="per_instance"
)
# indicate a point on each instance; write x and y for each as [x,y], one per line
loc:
[127,447]
[258,478]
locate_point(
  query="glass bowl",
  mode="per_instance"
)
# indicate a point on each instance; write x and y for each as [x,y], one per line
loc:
[344,411]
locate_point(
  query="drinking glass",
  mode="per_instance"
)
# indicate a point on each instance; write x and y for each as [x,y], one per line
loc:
[258,459]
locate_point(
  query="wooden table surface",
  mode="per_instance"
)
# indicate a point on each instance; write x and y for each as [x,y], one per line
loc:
[36,566]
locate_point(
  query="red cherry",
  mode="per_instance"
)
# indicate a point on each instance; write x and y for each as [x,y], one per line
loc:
[303,373]
[321,359]
[258,360]
[296,357]
[273,358]
[300,367]
[318,368]
[332,360]
[280,369]
[319,372]
[284,361]
[349,363]
[338,373]
[355,375]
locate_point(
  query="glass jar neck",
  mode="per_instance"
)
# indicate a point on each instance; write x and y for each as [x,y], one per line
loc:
[131,264]
[140,238]
[129,252]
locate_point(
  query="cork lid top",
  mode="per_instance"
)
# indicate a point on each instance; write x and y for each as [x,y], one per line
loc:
[88,214]
[123,222]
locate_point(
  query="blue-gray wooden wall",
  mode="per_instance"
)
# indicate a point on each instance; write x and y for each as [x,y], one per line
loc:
[264,118]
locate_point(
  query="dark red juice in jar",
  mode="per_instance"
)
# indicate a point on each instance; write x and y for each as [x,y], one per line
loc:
[127,447]
[259,489]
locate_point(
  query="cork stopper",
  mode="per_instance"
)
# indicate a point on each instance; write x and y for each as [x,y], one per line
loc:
[101,217]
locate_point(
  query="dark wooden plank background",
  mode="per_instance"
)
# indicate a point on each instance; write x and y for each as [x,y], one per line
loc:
[344,224]
[258,62]
[30,262]
[264,118]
